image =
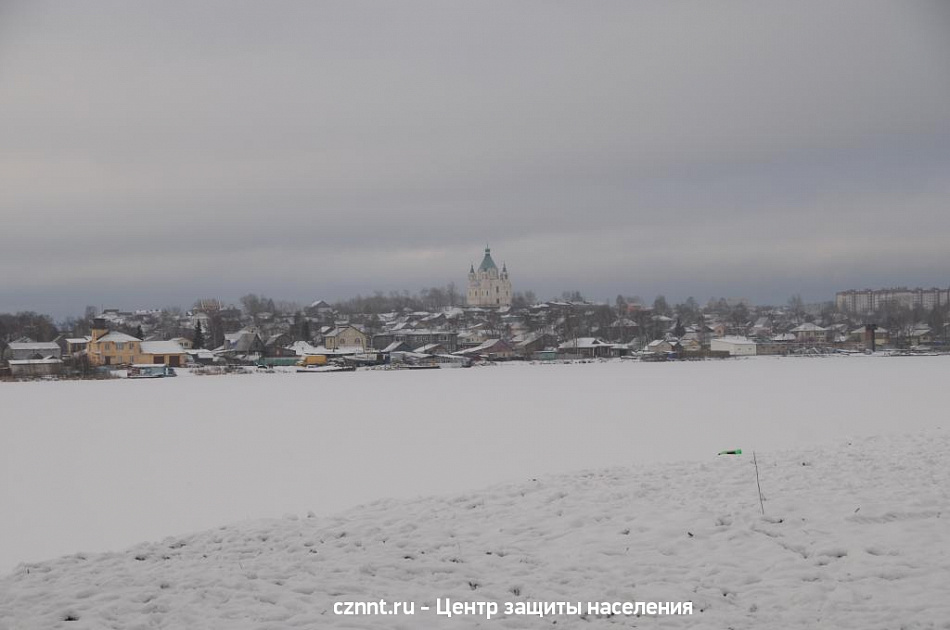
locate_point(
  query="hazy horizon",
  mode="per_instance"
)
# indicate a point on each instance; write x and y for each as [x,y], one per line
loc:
[153,301]
[154,153]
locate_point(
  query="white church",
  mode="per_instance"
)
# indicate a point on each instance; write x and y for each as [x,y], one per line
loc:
[487,286]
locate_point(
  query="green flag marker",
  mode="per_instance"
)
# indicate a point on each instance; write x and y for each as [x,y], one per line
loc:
[737,451]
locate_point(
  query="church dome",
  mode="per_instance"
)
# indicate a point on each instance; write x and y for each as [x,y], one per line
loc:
[487,262]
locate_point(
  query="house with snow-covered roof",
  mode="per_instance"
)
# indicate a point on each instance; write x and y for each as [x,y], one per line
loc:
[490,349]
[784,338]
[623,329]
[278,345]
[302,348]
[586,347]
[111,347]
[920,334]
[762,327]
[184,342]
[32,368]
[319,308]
[691,343]
[396,346]
[161,353]
[75,345]
[735,346]
[431,348]
[529,343]
[245,344]
[346,336]
[23,350]
[415,338]
[662,346]
[810,333]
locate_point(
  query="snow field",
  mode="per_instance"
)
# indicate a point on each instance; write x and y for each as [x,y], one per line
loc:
[854,536]
[94,466]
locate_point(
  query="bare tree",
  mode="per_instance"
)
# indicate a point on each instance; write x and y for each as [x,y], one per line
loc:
[255,304]
[661,306]
[796,308]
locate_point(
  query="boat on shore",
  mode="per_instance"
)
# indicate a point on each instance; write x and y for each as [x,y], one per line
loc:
[324,369]
[151,371]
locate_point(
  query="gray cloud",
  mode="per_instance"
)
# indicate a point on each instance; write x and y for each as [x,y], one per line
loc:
[737,148]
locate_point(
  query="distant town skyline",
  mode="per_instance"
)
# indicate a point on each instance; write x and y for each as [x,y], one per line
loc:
[152,303]
[155,153]
[60,306]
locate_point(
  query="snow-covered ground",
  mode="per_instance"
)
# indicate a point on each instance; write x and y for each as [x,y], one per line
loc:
[102,465]
[855,535]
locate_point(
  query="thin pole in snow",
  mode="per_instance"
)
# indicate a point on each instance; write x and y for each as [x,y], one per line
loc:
[757,484]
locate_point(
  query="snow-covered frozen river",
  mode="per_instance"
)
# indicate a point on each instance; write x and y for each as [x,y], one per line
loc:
[91,466]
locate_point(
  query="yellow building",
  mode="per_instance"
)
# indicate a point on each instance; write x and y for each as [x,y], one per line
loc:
[346,337]
[161,353]
[112,347]
[107,347]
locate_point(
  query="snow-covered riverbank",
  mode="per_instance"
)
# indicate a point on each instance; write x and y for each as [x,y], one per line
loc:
[855,535]
[96,466]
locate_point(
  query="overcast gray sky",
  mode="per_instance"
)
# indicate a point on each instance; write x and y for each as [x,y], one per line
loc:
[155,152]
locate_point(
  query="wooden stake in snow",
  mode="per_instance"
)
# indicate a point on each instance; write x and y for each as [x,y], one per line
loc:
[757,484]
